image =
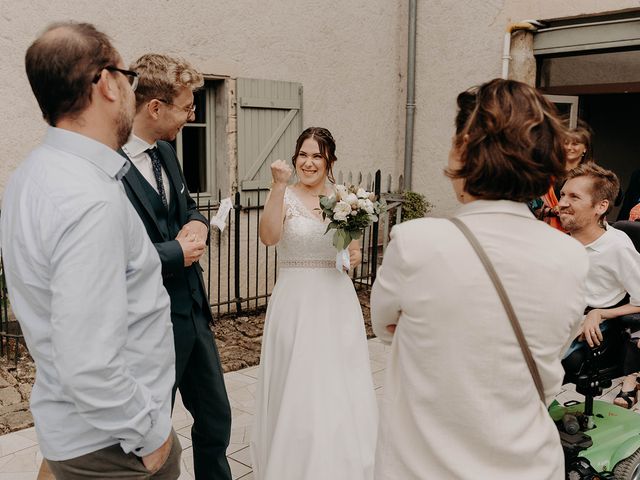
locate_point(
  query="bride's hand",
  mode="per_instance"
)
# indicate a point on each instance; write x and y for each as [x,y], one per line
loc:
[281,172]
[355,258]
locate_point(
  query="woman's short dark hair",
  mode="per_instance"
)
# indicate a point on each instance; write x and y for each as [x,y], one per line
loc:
[510,141]
[327,146]
[62,63]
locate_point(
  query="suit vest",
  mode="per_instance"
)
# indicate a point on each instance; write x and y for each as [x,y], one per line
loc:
[183,288]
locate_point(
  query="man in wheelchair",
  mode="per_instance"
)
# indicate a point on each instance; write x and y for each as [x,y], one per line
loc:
[613,280]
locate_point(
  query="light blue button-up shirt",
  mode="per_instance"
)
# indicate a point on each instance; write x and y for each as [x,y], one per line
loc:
[84,282]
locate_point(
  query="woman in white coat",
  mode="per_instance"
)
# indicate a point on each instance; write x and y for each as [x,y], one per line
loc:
[459,401]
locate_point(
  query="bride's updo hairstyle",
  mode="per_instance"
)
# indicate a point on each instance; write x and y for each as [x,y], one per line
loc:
[510,142]
[326,144]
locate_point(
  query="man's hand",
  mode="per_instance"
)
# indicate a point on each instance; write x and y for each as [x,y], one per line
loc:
[391,328]
[192,246]
[634,213]
[591,327]
[156,459]
[197,228]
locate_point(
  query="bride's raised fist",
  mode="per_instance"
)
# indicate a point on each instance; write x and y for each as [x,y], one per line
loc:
[280,172]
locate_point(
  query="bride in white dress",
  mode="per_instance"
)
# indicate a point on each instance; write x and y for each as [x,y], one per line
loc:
[316,412]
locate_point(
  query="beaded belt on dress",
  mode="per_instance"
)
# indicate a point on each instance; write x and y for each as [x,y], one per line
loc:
[307,263]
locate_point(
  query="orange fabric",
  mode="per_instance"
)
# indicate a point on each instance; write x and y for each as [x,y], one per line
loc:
[550,200]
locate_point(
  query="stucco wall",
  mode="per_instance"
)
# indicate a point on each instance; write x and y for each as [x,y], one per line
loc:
[349,56]
[460,45]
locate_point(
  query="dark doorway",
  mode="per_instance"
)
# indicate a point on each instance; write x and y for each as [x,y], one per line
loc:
[615,119]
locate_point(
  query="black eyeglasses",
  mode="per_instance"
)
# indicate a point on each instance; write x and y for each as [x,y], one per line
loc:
[131,76]
[189,110]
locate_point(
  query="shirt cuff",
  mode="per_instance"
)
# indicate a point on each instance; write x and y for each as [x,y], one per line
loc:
[156,436]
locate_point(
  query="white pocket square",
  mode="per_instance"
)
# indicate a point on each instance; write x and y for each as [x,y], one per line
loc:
[181,191]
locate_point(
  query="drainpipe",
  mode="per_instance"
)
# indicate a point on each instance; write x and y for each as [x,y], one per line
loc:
[411,100]
[528,25]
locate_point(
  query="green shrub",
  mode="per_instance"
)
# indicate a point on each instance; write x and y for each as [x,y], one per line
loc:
[414,205]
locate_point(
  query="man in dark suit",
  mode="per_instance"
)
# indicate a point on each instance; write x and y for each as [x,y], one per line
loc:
[157,189]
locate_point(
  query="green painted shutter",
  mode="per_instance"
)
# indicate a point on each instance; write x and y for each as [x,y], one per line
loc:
[269,123]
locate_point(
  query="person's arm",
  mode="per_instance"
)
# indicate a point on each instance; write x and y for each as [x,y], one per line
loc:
[355,254]
[386,300]
[627,268]
[190,242]
[591,326]
[89,322]
[177,254]
[270,228]
[197,223]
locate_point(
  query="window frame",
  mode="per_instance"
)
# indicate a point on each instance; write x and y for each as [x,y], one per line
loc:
[210,151]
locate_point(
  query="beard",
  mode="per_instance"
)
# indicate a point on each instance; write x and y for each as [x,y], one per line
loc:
[126,114]
[568,222]
[124,125]
[574,222]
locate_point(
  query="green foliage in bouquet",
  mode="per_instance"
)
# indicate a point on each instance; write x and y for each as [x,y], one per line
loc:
[351,210]
[414,205]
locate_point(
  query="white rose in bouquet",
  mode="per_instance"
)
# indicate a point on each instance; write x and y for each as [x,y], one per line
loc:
[341,192]
[341,211]
[352,200]
[366,205]
[351,210]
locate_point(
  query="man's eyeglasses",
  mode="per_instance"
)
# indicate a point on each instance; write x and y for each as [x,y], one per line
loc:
[189,110]
[131,76]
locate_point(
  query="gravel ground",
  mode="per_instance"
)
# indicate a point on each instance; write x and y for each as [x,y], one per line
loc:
[239,341]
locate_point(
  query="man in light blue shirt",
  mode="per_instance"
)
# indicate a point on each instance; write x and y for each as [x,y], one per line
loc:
[84,279]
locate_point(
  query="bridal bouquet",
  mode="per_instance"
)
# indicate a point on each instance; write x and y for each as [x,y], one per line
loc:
[351,209]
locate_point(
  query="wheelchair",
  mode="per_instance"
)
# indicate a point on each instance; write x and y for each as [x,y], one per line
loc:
[601,440]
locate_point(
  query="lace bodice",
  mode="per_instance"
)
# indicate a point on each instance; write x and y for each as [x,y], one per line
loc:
[303,242]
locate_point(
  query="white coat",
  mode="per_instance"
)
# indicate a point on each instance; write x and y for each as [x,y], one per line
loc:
[459,401]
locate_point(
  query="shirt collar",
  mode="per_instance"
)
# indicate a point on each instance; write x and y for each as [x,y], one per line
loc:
[97,153]
[495,206]
[600,242]
[136,146]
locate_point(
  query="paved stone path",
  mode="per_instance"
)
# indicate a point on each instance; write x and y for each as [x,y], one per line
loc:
[20,456]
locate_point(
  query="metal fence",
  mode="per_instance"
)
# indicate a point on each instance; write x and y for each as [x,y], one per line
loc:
[240,271]
[10,333]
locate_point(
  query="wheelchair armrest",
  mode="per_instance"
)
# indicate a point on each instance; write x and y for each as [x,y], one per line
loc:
[631,321]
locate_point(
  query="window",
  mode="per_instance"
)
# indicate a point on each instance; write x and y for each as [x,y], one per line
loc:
[196,145]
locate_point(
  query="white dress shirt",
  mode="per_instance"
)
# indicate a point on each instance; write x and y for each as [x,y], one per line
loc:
[85,284]
[136,150]
[614,270]
[459,401]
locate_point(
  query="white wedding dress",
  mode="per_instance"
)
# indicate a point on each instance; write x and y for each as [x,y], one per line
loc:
[316,412]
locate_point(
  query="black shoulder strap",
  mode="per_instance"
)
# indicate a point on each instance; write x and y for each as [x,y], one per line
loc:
[515,324]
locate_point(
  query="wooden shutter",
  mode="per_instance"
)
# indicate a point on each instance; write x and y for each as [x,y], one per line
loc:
[269,123]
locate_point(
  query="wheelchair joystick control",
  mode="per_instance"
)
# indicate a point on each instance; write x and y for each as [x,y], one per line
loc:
[570,424]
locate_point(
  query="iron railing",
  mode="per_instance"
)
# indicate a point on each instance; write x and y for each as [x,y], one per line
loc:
[245,270]
[239,270]
[10,332]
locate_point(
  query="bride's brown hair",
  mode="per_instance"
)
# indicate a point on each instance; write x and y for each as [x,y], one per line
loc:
[327,146]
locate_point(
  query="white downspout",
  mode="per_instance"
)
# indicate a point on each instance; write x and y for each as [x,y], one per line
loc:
[529,25]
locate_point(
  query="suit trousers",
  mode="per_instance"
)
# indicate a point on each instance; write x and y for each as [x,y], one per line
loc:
[201,382]
[112,462]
